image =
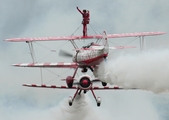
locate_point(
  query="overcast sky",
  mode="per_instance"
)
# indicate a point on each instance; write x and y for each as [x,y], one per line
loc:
[23,18]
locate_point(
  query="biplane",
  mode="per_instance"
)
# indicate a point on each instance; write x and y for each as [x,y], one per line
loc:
[87,57]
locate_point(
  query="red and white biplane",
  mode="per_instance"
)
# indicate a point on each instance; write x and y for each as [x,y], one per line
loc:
[87,57]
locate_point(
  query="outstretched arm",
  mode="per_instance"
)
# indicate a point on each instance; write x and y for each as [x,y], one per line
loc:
[79,10]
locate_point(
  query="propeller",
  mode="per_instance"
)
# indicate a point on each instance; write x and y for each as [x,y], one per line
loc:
[65,54]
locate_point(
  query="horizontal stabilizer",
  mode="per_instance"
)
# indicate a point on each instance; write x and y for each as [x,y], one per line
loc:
[121,47]
[31,39]
[48,65]
[92,48]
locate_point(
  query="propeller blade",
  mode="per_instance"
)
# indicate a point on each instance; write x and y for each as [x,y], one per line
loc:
[76,83]
[65,54]
[95,80]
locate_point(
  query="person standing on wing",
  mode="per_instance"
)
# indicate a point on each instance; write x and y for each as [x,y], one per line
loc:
[86,19]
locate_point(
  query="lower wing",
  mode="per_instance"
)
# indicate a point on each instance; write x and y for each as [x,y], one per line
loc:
[76,87]
[48,65]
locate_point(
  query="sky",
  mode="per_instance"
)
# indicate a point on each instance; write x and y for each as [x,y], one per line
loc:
[129,68]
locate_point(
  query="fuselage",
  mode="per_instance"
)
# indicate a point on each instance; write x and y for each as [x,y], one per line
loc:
[89,56]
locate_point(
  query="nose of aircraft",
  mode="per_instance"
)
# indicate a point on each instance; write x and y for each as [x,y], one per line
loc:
[85,82]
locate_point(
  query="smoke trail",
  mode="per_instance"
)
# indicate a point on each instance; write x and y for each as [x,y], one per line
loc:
[116,105]
[80,110]
[112,107]
[147,71]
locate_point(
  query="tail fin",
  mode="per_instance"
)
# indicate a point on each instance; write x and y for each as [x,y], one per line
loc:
[105,43]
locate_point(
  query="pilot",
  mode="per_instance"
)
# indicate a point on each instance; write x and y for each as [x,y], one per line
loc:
[88,46]
[86,19]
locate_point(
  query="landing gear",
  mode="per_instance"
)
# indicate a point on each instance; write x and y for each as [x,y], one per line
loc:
[104,83]
[84,70]
[70,101]
[91,68]
[84,85]
[98,100]
[70,85]
[78,91]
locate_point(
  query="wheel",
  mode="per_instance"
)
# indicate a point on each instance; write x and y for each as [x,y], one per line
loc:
[98,100]
[104,83]
[98,104]
[70,85]
[70,101]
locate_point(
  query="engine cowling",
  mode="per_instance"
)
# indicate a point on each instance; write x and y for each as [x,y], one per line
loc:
[84,82]
[69,81]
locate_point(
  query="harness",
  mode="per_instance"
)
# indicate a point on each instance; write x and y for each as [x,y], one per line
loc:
[85,18]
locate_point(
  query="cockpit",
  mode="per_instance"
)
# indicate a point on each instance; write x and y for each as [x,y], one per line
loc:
[87,46]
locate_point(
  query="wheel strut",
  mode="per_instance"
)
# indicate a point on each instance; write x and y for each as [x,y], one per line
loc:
[98,99]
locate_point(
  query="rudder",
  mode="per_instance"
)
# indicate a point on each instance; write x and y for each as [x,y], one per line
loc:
[105,43]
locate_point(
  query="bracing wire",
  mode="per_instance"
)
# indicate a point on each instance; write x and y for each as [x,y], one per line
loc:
[94,29]
[76,30]
[57,75]
[126,44]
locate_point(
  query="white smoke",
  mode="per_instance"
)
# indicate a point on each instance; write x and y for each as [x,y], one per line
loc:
[115,105]
[80,110]
[147,71]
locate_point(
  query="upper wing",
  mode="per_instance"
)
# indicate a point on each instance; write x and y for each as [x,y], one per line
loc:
[48,65]
[31,39]
[134,34]
[75,87]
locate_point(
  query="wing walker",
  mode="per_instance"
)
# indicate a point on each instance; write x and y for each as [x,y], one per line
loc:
[86,58]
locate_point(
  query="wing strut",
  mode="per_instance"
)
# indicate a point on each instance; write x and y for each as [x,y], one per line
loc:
[142,44]
[41,76]
[31,51]
[74,44]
